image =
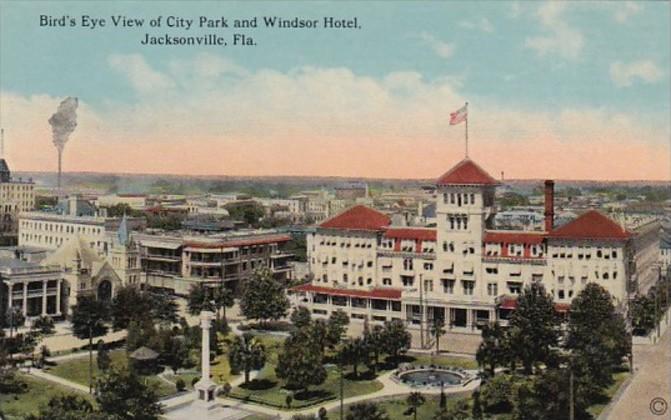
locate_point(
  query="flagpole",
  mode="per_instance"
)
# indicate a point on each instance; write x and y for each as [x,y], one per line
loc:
[467,130]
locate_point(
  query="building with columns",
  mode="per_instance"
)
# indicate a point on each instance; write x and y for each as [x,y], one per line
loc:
[465,272]
[35,289]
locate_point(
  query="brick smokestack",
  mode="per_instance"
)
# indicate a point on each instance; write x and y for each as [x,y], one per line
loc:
[549,204]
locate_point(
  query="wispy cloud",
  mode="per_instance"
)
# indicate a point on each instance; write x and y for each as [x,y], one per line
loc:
[441,48]
[626,10]
[625,74]
[141,76]
[561,38]
[329,121]
[482,24]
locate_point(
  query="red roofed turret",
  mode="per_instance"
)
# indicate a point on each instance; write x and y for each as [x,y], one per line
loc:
[358,218]
[466,172]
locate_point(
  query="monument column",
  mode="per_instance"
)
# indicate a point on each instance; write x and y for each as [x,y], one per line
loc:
[205,387]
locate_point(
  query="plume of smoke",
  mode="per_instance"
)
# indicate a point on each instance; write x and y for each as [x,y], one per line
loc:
[64,121]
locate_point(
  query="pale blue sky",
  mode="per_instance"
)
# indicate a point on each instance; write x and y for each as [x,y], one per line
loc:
[610,57]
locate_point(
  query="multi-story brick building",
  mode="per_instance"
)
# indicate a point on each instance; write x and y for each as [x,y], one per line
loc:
[16,196]
[464,271]
[176,262]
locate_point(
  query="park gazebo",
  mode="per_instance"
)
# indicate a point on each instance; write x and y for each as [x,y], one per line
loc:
[144,360]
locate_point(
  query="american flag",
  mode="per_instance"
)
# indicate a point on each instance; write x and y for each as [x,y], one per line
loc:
[459,115]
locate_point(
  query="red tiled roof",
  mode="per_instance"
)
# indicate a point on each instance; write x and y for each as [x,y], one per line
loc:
[591,225]
[268,239]
[510,302]
[358,218]
[412,234]
[466,172]
[514,237]
[391,294]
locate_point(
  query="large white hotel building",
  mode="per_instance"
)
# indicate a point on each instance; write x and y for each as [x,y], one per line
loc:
[463,271]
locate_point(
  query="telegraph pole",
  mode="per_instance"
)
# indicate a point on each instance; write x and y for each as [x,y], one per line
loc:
[421,312]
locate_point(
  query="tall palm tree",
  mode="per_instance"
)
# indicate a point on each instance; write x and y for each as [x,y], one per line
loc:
[415,400]
[438,330]
[247,353]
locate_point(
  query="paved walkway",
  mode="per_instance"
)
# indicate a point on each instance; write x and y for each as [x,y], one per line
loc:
[652,379]
[389,389]
[38,373]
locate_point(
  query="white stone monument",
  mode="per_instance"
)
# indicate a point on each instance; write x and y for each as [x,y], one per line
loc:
[205,387]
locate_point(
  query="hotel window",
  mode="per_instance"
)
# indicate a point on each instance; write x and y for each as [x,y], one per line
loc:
[428,266]
[386,281]
[614,254]
[448,286]
[445,246]
[360,280]
[407,281]
[344,278]
[451,198]
[407,264]
[324,278]
[445,198]
[468,287]
[369,281]
[492,289]
[514,287]
[560,294]
[428,285]
[598,253]
[492,270]
[451,219]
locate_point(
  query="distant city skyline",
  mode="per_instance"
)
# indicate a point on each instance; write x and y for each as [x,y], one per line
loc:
[573,91]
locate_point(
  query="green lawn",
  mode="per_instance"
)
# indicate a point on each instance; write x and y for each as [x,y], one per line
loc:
[397,407]
[619,378]
[39,392]
[267,388]
[77,370]
[458,362]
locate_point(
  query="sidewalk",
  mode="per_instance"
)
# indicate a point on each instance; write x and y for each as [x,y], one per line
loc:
[52,378]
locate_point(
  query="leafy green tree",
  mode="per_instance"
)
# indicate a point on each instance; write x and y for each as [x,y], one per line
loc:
[300,363]
[355,352]
[397,339]
[414,401]
[124,395]
[44,325]
[476,411]
[319,334]
[437,331]
[246,353]
[336,327]
[89,318]
[456,411]
[223,298]
[492,350]
[597,334]
[263,297]
[643,314]
[103,357]
[366,411]
[374,339]
[201,298]
[164,307]
[301,317]
[67,407]
[551,392]
[496,395]
[536,326]
[249,213]
[129,304]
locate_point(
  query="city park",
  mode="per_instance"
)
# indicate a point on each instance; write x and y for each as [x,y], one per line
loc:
[145,355]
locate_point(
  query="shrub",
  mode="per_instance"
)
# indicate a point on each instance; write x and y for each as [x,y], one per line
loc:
[180,385]
[194,380]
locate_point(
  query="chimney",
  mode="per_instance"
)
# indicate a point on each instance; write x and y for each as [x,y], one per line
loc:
[549,204]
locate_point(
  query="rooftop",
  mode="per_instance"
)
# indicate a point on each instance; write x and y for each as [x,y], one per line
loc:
[466,172]
[358,218]
[591,225]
